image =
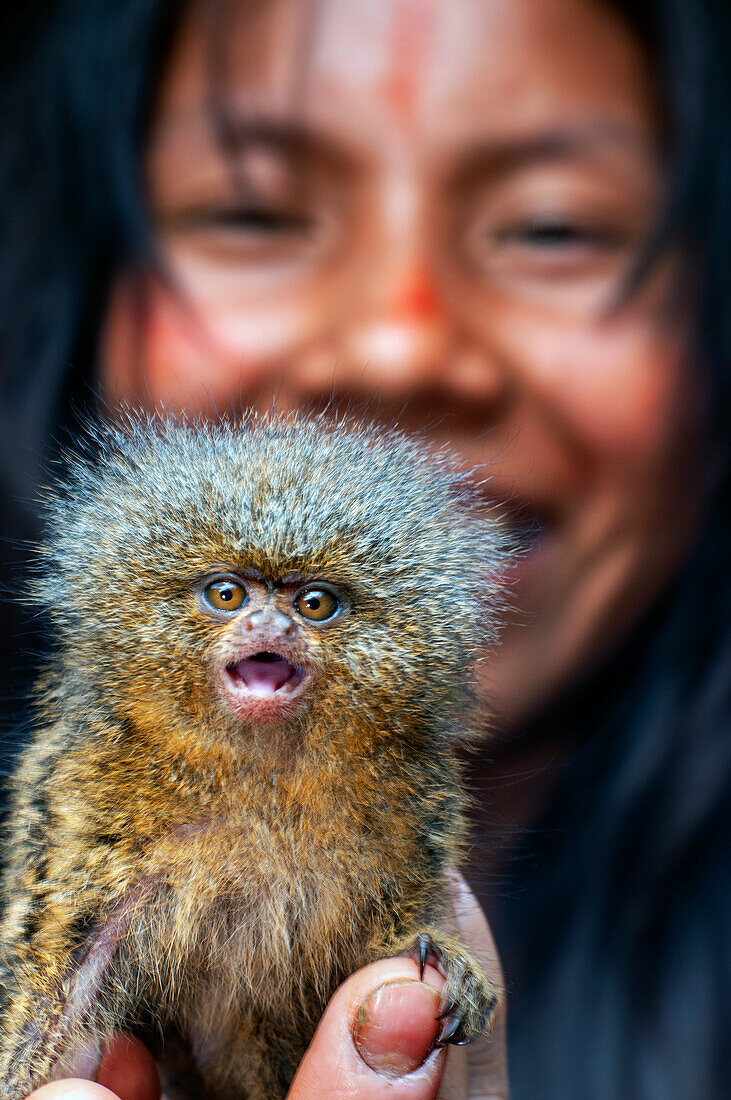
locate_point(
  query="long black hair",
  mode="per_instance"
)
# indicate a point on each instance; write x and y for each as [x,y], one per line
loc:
[614,921]
[76,86]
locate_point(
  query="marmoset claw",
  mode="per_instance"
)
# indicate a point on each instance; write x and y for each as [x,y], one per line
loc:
[469,998]
[422,948]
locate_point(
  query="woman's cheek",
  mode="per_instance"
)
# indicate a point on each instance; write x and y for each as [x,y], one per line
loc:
[618,387]
[623,393]
[158,348]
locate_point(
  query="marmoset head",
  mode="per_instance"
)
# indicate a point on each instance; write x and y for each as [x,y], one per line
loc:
[229,577]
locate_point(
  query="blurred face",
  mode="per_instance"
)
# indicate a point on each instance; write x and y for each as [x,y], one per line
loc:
[426,208]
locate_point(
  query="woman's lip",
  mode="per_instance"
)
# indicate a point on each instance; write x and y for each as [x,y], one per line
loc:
[530,559]
[531,531]
[520,512]
[526,524]
[531,527]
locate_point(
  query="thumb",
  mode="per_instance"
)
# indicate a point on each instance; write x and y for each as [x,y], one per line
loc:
[376,1038]
[126,1071]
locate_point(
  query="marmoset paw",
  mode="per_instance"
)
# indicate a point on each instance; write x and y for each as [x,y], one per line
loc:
[469,998]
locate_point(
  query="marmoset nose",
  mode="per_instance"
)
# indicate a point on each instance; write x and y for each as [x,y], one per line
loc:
[269,620]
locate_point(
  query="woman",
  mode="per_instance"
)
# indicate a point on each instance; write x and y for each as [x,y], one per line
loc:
[506,222]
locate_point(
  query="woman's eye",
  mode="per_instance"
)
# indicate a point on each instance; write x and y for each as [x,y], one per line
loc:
[257,237]
[225,595]
[551,251]
[555,233]
[255,220]
[317,604]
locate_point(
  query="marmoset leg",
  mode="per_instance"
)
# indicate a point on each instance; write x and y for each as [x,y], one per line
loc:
[51,985]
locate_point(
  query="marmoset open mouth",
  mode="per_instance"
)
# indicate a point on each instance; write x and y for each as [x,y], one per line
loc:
[265,673]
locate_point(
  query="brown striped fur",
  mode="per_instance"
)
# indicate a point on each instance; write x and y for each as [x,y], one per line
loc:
[209,882]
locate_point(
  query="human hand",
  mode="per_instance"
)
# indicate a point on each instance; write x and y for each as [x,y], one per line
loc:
[126,1067]
[374,1041]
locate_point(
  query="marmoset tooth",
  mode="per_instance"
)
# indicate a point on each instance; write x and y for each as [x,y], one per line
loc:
[242,783]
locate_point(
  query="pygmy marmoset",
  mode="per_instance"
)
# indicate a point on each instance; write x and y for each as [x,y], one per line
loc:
[242,783]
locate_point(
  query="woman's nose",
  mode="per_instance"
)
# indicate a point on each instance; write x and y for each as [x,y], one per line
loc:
[408,343]
[396,329]
[394,338]
[405,341]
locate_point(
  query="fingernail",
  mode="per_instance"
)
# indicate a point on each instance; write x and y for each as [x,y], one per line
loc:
[396,1027]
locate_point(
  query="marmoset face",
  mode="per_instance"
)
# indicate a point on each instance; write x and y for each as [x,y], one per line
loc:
[442,201]
[268,659]
[208,580]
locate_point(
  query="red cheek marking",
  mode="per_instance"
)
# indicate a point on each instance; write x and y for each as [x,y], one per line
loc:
[155,350]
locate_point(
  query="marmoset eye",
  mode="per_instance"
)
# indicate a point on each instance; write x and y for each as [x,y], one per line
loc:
[225,595]
[317,604]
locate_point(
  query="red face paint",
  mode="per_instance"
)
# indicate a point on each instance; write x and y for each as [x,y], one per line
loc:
[417,299]
[410,41]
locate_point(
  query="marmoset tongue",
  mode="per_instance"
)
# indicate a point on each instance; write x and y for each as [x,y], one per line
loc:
[265,673]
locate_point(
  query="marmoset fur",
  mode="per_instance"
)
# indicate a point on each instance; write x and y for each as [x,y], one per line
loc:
[242,784]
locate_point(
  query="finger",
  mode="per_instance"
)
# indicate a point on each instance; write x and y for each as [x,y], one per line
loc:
[72,1089]
[126,1072]
[128,1069]
[487,1068]
[376,1039]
